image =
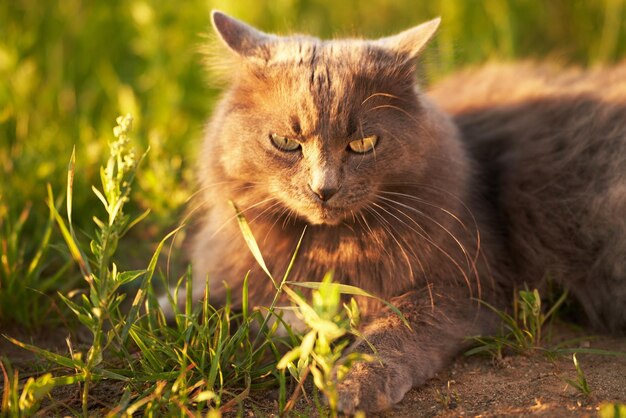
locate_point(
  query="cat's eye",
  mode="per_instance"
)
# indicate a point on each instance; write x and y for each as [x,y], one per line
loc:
[283,143]
[363,145]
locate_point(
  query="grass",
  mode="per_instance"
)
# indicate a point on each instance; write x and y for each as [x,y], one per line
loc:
[521,333]
[580,383]
[521,330]
[210,359]
[67,69]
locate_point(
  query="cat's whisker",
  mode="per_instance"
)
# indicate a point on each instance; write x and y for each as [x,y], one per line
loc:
[389,227]
[288,218]
[424,215]
[374,237]
[241,211]
[380,94]
[248,184]
[438,189]
[388,106]
[471,265]
[191,212]
[406,225]
[476,230]
[279,216]
[266,211]
[380,220]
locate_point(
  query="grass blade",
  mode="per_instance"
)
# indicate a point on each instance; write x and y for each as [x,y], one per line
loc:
[355,291]
[251,242]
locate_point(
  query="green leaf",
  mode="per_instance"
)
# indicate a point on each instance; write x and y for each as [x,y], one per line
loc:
[128,276]
[251,242]
[34,391]
[289,357]
[307,344]
[84,316]
[75,251]
[147,278]
[49,355]
[353,290]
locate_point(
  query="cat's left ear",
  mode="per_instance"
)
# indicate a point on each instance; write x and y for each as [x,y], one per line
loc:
[240,37]
[412,41]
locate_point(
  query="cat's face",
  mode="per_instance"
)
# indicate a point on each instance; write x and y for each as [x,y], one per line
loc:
[319,127]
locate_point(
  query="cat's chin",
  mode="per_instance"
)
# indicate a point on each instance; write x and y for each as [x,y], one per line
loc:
[324,217]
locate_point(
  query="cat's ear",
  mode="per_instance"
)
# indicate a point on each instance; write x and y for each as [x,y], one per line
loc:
[412,41]
[240,37]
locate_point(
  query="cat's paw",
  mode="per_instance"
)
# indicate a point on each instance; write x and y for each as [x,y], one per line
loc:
[372,387]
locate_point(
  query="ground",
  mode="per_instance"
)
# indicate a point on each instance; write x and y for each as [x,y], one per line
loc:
[518,385]
[521,386]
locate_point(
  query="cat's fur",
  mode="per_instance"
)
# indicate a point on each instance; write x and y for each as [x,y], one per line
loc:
[511,173]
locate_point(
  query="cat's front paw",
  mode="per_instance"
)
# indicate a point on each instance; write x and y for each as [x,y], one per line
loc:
[372,387]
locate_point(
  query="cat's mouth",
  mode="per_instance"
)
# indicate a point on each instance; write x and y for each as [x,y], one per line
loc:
[324,214]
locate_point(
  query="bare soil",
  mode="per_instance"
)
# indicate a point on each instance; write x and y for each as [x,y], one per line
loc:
[520,385]
[477,386]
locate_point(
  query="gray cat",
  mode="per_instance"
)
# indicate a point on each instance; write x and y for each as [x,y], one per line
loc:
[511,174]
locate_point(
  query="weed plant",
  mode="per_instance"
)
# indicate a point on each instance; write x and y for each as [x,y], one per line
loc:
[580,383]
[522,330]
[208,359]
[66,67]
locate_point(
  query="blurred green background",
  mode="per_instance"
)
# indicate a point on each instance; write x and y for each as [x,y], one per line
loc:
[69,67]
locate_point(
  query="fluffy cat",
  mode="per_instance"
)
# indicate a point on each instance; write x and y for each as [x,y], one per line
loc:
[510,174]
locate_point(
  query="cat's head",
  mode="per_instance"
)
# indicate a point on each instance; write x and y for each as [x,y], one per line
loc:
[321,126]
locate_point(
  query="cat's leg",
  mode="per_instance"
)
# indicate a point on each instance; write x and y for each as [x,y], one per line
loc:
[408,357]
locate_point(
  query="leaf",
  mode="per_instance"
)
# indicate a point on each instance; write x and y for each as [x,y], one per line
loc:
[251,242]
[83,316]
[34,391]
[353,290]
[56,358]
[307,344]
[293,257]
[75,251]
[98,193]
[147,278]
[205,395]
[70,184]
[288,358]
[309,314]
[128,276]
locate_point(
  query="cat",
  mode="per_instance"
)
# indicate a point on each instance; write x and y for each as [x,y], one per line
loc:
[496,178]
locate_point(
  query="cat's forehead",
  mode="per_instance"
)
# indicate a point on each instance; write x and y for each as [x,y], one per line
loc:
[350,55]
[306,50]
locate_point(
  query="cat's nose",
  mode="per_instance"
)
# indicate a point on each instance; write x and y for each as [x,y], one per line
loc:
[324,193]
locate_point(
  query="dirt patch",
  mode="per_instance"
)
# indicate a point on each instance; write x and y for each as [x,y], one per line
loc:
[531,385]
[520,385]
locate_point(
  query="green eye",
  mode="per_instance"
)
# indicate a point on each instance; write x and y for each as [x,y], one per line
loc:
[283,143]
[363,145]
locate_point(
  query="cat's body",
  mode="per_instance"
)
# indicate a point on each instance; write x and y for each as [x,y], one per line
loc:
[428,209]
[551,143]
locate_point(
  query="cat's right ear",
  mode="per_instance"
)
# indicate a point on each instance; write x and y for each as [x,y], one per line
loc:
[240,37]
[410,43]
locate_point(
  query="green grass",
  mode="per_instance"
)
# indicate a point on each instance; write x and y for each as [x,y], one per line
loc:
[521,331]
[68,68]
[580,383]
[210,359]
